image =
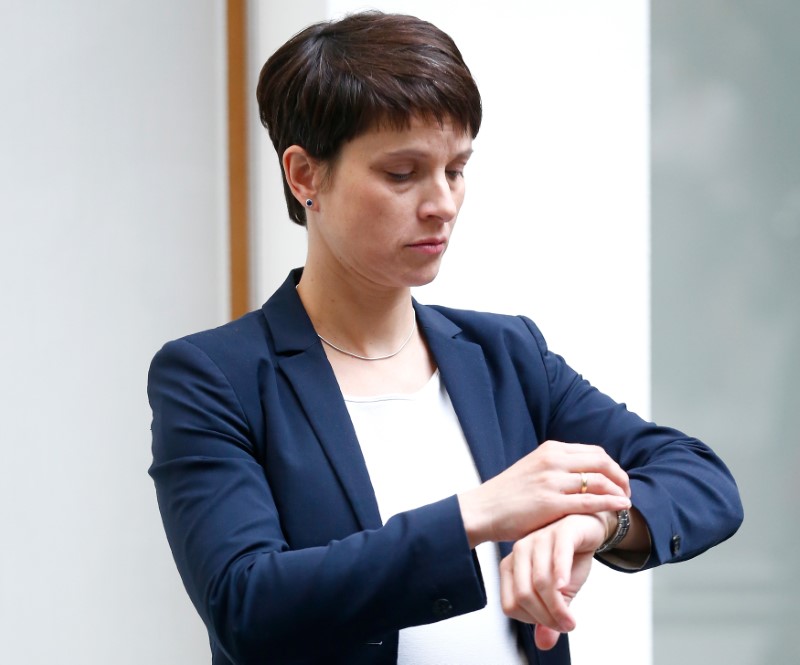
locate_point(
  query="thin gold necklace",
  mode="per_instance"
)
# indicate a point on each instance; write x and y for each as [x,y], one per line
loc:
[386,357]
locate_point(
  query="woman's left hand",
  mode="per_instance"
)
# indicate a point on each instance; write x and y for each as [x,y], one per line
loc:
[545,571]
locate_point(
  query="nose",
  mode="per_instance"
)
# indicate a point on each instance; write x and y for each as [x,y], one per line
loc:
[441,200]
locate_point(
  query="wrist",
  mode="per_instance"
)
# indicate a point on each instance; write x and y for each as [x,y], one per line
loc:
[476,526]
[610,521]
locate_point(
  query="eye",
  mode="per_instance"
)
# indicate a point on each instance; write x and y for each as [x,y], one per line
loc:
[456,170]
[399,177]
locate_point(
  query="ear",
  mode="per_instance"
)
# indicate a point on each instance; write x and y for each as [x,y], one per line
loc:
[302,173]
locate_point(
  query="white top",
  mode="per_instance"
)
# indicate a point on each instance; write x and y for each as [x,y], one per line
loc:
[416,454]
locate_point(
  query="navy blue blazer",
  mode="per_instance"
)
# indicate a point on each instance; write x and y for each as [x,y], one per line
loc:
[271,517]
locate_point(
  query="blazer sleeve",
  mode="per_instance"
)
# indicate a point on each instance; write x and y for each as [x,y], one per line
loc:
[684,491]
[258,598]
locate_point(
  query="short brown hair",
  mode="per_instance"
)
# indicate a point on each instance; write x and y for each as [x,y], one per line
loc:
[337,79]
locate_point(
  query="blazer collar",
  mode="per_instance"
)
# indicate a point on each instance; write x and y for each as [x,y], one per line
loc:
[462,367]
[300,356]
[287,320]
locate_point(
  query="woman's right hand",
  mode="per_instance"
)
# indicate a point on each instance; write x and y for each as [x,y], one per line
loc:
[542,487]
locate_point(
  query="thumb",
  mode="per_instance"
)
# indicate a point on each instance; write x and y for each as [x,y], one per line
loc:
[545,637]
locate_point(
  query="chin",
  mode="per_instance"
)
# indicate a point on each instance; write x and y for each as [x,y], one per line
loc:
[421,275]
[423,279]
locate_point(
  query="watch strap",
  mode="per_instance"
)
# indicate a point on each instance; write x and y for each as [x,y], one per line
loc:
[623,524]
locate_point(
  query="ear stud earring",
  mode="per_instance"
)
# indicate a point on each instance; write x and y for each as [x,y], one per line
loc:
[309,203]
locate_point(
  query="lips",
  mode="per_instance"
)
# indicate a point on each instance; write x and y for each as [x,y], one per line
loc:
[430,242]
[429,246]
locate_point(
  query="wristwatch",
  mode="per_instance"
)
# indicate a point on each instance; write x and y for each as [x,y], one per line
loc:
[623,524]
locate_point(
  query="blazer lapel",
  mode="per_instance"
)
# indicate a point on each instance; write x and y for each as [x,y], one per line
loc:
[302,360]
[463,369]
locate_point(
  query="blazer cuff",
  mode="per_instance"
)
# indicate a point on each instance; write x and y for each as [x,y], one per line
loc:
[450,574]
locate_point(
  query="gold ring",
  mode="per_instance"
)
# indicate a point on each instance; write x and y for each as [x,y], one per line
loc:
[584,483]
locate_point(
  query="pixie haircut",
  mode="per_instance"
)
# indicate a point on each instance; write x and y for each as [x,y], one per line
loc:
[336,80]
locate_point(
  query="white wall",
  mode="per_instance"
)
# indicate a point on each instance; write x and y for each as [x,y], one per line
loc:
[277,244]
[112,240]
[555,224]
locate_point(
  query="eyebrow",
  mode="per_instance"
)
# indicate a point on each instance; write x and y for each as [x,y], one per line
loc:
[413,152]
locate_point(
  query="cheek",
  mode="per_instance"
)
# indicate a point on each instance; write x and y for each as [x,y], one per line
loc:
[462,191]
[374,210]
[362,199]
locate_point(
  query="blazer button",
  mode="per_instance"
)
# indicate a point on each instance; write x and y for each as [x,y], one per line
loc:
[675,545]
[442,608]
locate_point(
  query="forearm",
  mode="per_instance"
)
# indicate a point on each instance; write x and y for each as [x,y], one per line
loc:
[347,592]
[683,491]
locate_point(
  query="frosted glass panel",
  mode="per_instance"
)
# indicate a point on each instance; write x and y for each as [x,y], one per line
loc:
[726,311]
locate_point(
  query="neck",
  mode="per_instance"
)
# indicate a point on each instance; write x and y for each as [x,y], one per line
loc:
[362,318]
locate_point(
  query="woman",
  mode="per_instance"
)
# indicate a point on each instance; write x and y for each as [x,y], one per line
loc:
[335,469]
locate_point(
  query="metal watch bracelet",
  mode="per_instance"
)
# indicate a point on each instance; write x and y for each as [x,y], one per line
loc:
[623,524]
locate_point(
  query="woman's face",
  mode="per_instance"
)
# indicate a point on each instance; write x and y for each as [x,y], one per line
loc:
[385,212]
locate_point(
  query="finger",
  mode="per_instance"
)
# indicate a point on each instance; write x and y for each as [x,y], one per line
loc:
[525,597]
[551,573]
[587,482]
[563,552]
[517,596]
[578,457]
[582,457]
[551,607]
[507,596]
[587,504]
[594,458]
[545,637]
[513,602]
